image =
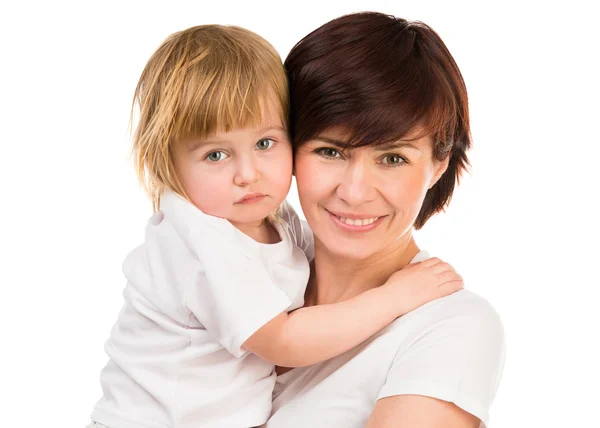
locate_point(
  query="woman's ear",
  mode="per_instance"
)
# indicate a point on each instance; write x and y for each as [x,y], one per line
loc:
[440,169]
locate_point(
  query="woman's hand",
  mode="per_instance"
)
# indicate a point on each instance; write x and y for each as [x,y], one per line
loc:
[420,283]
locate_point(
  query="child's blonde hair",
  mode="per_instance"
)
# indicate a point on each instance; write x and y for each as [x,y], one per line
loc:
[206,79]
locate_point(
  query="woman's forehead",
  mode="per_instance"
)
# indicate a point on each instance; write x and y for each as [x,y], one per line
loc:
[345,137]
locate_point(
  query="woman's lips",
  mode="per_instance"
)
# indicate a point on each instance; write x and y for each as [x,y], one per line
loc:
[356,222]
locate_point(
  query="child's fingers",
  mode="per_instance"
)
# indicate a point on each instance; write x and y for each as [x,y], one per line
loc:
[431,262]
[442,267]
[453,286]
[449,276]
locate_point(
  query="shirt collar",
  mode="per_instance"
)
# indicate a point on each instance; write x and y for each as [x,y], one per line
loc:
[186,218]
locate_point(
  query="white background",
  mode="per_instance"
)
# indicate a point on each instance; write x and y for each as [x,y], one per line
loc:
[522,228]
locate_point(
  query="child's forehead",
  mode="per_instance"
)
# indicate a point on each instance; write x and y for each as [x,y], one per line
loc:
[269,117]
[224,121]
[271,110]
[253,130]
[240,134]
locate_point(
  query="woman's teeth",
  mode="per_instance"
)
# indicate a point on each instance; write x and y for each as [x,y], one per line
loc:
[355,222]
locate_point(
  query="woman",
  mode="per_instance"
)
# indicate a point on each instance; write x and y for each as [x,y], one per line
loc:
[380,125]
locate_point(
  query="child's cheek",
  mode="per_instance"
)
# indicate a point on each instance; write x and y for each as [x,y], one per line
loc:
[212,194]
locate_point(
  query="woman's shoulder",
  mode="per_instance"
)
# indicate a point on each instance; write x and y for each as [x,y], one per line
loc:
[452,349]
[462,314]
[467,304]
[463,306]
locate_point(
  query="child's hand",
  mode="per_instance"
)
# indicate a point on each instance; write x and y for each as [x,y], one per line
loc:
[419,283]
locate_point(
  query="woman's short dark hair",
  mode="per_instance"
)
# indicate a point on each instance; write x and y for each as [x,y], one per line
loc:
[381,79]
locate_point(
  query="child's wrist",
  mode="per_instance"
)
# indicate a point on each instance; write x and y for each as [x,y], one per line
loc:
[392,300]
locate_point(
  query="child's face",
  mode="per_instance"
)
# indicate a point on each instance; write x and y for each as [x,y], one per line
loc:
[242,175]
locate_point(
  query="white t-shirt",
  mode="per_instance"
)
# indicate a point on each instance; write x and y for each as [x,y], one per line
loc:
[196,290]
[451,349]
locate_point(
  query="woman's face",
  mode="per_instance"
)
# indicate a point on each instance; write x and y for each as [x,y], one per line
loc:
[361,203]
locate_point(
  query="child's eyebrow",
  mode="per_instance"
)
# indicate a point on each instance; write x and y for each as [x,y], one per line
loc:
[199,143]
[272,128]
[194,145]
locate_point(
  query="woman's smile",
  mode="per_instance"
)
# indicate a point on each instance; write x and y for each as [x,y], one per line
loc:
[356,222]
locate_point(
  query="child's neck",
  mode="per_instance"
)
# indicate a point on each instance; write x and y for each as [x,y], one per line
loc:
[262,232]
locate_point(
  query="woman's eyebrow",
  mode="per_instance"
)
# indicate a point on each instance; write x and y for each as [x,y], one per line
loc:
[396,145]
[380,148]
[338,143]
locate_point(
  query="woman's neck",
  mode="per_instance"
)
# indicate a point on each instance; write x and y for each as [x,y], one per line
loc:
[334,279]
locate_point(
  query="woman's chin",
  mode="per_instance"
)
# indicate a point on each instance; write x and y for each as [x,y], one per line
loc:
[354,251]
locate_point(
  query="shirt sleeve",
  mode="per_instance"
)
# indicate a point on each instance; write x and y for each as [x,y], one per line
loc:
[232,295]
[458,359]
[301,232]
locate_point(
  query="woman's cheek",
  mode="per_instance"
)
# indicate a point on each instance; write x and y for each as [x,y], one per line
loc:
[323,177]
[404,188]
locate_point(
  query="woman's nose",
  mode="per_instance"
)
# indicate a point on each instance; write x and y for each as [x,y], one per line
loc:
[356,186]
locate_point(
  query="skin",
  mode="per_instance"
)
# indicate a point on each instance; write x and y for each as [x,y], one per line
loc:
[385,182]
[221,171]
[389,183]
[217,172]
[408,411]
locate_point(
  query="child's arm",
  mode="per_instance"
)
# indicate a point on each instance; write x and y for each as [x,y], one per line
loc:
[318,333]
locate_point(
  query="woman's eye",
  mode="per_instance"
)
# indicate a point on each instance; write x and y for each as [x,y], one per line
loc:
[264,144]
[216,156]
[392,159]
[328,152]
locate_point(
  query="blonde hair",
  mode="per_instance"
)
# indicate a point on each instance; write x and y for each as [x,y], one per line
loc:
[202,80]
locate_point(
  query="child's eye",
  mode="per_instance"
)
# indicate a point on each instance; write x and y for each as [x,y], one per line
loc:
[328,152]
[392,159]
[264,144]
[216,156]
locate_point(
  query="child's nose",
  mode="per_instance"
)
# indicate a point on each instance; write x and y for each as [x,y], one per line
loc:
[246,172]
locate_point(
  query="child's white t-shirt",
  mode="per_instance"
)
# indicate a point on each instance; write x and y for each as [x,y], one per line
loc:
[197,289]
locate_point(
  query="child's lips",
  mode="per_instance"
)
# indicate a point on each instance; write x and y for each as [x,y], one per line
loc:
[250,198]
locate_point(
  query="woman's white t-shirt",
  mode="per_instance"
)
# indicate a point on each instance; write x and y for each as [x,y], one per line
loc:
[196,290]
[451,349]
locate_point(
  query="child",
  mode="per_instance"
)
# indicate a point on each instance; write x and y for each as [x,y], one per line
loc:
[210,293]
